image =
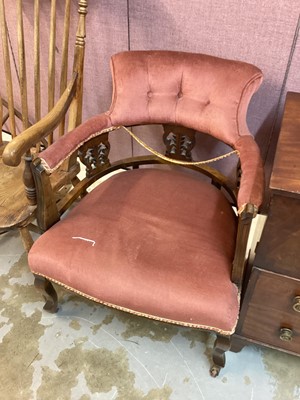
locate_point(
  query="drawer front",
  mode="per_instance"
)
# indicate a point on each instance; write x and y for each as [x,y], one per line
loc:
[271,310]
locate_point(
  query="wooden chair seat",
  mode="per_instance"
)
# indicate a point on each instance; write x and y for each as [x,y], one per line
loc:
[14,207]
[15,210]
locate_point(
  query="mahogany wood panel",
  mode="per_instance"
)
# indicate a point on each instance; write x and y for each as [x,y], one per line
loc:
[279,247]
[286,170]
[271,303]
[270,308]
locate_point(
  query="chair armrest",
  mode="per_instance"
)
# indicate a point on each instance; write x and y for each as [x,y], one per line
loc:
[58,152]
[240,256]
[252,183]
[15,149]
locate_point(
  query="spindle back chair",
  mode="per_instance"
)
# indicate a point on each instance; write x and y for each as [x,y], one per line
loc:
[39,87]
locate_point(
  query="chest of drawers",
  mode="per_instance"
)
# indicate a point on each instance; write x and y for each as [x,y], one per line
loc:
[270,313]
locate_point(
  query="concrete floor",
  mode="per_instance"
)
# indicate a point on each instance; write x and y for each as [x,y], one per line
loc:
[87,351]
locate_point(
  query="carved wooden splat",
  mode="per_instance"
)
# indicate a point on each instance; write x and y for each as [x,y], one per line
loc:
[179,142]
[94,154]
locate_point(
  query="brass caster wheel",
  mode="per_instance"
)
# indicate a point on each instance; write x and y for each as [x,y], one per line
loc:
[214,371]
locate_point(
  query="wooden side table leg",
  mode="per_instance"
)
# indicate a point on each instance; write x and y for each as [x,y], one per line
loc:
[237,344]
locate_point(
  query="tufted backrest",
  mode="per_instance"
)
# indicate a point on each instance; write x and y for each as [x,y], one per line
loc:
[205,93]
[202,92]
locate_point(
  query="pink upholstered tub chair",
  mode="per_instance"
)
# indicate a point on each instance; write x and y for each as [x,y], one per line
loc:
[159,243]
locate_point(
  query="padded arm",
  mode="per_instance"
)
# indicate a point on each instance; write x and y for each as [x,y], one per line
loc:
[15,149]
[55,154]
[252,180]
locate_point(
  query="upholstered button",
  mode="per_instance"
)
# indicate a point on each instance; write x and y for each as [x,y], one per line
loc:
[207,102]
[179,95]
[149,94]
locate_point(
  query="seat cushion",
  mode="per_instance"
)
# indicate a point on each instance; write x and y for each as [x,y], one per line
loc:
[153,242]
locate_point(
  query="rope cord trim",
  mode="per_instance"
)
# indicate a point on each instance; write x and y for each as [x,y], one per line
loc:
[166,158]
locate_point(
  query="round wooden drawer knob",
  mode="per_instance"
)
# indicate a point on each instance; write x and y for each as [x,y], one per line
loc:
[286,334]
[296,305]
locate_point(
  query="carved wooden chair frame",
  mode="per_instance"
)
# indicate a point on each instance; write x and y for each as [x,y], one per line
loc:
[93,151]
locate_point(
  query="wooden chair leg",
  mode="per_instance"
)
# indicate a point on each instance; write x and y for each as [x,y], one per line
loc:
[222,344]
[26,238]
[46,288]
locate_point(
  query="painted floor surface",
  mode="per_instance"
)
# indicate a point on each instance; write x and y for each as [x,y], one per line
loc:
[87,351]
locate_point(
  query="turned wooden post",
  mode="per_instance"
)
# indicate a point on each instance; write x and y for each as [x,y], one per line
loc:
[29,180]
[76,107]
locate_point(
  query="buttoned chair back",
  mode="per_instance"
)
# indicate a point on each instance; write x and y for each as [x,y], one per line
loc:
[164,243]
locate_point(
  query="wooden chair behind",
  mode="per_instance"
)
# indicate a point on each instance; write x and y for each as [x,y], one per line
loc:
[31,89]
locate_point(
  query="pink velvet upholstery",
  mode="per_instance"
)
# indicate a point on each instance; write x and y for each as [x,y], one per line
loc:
[137,242]
[206,93]
[252,179]
[154,242]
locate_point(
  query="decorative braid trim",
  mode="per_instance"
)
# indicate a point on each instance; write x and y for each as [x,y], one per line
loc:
[140,314]
[143,144]
[173,160]
[243,207]
[47,168]
[98,133]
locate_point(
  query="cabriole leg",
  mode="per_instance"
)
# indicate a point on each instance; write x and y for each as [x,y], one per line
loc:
[222,344]
[46,288]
